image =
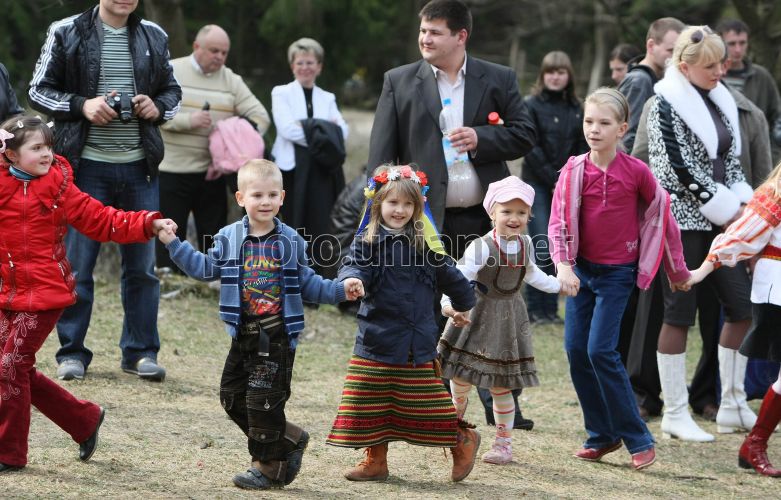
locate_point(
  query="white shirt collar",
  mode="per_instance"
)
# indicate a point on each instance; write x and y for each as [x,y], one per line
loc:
[197,66]
[461,71]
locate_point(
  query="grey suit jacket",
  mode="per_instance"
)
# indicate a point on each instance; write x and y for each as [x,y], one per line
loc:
[406,124]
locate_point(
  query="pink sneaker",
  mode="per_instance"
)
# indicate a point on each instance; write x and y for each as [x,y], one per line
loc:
[501,453]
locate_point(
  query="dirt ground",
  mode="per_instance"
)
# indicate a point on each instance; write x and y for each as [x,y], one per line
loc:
[173,440]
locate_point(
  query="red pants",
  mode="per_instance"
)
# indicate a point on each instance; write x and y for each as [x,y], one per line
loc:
[21,335]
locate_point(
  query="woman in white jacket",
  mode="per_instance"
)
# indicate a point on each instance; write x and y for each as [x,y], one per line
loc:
[694,150]
[310,193]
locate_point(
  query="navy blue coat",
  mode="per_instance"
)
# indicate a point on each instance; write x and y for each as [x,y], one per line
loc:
[396,317]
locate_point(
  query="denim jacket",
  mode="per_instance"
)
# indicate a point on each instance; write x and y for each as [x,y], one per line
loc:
[224,260]
[396,321]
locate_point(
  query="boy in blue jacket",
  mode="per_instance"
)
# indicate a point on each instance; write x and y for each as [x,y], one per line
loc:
[264,277]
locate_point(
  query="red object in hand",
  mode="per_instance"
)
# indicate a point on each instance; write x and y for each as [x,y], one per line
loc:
[494,118]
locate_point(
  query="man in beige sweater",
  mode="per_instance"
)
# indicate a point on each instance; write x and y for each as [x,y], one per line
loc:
[210,92]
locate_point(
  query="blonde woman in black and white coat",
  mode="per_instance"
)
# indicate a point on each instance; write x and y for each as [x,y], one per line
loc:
[694,148]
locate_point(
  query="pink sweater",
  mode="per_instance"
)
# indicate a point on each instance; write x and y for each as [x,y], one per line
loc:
[589,217]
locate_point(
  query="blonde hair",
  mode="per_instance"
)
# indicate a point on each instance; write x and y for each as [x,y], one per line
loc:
[774,180]
[259,169]
[698,45]
[405,187]
[612,98]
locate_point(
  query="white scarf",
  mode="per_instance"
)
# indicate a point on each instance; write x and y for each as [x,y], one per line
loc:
[691,107]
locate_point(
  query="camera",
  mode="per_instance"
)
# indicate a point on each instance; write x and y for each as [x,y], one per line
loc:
[122,104]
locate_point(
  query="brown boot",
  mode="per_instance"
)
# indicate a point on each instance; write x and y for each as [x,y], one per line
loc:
[465,451]
[753,452]
[372,468]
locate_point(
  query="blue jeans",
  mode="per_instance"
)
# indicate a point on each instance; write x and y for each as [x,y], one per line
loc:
[591,327]
[537,302]
[124,186]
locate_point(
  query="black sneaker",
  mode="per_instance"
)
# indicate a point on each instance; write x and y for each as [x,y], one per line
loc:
[88,447]
[9,468]
[295,457]
[523,424]
[537,318]
[253,479]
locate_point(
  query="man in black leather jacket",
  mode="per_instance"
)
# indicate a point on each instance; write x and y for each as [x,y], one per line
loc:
[109,51]
[9,106]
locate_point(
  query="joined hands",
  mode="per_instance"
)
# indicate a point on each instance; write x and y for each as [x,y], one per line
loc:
[353,288]
[460,318]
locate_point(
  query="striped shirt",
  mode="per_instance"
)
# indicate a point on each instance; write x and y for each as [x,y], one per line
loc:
[116,141]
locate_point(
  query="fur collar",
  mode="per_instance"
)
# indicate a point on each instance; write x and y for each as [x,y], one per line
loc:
[688,104]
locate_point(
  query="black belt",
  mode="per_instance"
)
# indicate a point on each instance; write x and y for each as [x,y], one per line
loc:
[260,326]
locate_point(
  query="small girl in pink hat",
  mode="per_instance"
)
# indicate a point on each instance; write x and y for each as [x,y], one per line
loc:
[491,346]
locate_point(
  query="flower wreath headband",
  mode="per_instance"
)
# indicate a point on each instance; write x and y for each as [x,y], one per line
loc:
[430,232]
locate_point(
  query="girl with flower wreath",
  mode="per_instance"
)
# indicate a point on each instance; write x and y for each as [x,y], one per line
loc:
[392,391]
[491,346]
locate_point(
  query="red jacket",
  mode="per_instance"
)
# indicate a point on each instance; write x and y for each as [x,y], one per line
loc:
[35,274]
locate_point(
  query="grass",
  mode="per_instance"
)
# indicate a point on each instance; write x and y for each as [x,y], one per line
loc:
[173,440]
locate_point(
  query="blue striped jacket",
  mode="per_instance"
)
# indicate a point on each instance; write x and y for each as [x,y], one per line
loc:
[224,260]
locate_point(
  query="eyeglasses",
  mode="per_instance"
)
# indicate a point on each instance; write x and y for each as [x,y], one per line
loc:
[699,35]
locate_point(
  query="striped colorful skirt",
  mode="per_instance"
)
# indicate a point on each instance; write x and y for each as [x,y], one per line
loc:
[382,402]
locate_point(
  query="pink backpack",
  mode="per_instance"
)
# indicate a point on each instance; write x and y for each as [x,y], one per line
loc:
[232,143]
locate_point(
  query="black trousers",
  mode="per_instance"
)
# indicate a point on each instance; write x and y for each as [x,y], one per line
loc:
[181,194]
[255,388]
[461,226]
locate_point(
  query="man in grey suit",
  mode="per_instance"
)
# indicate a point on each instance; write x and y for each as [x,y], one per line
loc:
[406,124]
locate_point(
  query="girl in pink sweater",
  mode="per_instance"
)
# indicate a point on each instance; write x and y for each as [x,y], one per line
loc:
[610,228]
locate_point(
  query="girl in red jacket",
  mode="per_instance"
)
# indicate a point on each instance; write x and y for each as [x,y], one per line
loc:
[37,202]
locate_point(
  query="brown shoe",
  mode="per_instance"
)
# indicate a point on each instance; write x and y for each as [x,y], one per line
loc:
[372,468]
[464,452]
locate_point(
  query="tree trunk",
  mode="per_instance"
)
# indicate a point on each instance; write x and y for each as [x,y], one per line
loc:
[600,48]
[169,15]
[764,19]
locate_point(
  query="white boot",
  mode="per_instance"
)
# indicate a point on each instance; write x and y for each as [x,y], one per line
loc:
[677,421]
[734,412]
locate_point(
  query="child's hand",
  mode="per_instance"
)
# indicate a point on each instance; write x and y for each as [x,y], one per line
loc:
[682,286]
[461,318]
[166,235]
[163,224]
[570,284]
[568,291]
[353,288]
[701,273]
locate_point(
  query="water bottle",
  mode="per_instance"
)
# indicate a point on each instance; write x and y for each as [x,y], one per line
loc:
[463,188]
[447,122]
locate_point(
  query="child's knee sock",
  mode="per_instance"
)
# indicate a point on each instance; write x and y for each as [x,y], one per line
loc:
[504,411]
[459,390]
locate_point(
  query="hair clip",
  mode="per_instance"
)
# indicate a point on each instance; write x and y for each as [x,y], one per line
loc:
[50,124]
[4,136]
[19,124]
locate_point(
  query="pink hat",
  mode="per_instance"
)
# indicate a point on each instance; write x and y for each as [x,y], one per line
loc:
[509,188]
